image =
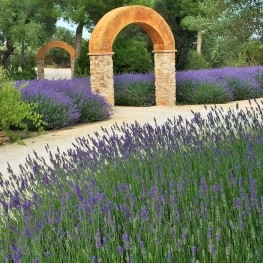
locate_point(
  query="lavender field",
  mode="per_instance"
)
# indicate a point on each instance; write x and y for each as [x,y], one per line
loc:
[185,191]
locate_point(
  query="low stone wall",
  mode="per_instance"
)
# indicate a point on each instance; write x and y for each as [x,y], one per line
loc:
[3,138]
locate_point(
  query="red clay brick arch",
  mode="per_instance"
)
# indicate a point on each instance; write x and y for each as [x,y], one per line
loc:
[53,44]
[100,50]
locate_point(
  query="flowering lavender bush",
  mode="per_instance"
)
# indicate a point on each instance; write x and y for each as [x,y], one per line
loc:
[193,86]
[180,192]
[65,102]
[235,83]
[134,90]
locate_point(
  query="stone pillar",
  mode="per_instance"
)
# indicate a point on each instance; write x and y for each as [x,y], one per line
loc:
[101,75]
[165,84]
[72,64]
[40,68]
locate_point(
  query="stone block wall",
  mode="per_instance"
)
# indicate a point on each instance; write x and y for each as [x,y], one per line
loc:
[72,61]
[3,138]
[165,84]
[40,68]
[101,75]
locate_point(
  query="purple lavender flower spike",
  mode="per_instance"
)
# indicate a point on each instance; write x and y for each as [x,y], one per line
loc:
[126,241]
[169,256]
[120,250]
[17,255]
[194,250]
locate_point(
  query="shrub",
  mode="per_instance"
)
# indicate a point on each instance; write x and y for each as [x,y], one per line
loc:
[27,73]
[184,93]
[195,61]
[202,93]
[238,83]
[134,90]
[209,93]
[22,71]
[259,78]
[135,94]
[65,102]
[13,111]
[132,56]
[56,109]
[92,107]
[132,49]
[244,89]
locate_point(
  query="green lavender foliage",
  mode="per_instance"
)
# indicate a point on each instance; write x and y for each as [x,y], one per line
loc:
[176,192]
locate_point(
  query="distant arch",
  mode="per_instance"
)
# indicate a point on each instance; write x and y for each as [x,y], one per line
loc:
[54,44]
[104,35]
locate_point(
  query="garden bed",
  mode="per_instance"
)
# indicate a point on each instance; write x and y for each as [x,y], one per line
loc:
[184,190]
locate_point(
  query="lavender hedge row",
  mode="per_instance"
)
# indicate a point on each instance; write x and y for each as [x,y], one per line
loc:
[194,86]
[65,102]
[184,191]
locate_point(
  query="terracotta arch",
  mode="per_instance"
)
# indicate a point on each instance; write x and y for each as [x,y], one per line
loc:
[104,35]
[53,44]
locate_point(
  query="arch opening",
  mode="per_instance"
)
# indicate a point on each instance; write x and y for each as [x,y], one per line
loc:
[133,51]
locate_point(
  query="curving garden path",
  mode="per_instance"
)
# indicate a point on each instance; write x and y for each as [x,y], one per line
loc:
[16,154]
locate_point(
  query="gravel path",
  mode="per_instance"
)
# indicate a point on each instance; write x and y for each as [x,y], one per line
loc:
[57,73]
[16,154]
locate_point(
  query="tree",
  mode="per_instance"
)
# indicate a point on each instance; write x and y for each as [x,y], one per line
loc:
[223,26]
[75,12]
[25,24]
[184,38]
[86,13]
[198,16]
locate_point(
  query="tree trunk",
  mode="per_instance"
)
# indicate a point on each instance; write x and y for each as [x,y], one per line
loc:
[78,38]
[9,50]
[199,42]
[23,56]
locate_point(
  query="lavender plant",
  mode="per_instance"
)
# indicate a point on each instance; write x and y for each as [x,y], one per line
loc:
[193,86]
[184,191]
[226,84]
[66,102]
[134,90]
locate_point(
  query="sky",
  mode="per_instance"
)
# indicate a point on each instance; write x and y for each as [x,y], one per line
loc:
[72,27]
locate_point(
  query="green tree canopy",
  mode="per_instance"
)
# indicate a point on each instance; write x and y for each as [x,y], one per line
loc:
[86,13]
[184,38]
[25,24]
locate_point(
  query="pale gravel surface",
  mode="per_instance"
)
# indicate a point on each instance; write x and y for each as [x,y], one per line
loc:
[57,73]
[16,154]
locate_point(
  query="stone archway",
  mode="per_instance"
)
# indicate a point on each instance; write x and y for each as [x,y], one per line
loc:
[52,44]
[100,51]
